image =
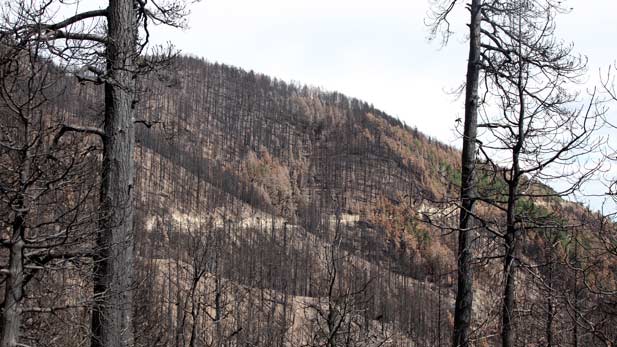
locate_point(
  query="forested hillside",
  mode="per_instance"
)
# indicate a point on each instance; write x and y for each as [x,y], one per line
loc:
[276,184]
[272,214]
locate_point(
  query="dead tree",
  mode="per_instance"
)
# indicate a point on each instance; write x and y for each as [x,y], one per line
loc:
[536,135]
[464,295]
[112,59]
[520,68]
[45,198]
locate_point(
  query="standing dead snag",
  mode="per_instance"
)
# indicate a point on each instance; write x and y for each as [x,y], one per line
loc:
[46,204]
[113,263]
[514,55]
[464,295]
[114,60]
[536,128]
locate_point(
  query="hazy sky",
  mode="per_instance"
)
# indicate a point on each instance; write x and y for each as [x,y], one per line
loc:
[377,51]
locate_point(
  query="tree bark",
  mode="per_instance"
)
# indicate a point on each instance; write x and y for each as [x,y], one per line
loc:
[464,294]
[113,268]
[510,265]
[550,309]
[10,323]
[11,316]
[576,265]
[507,336]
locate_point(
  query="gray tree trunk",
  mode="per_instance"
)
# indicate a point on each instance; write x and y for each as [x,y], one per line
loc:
[10,323]
[510,265]
[550,309]
[11,316]
[464,294]
[507,333]
[113,270]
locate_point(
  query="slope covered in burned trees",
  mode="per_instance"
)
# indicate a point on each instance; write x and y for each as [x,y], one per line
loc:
[327,141]
[302,187]
[291,151]
[312,189]
[272,214]
[275,214]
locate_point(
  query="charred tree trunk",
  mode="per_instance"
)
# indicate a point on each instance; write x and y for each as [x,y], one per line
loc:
[550,309]
[113,270]
[464,294]
[510,265]
[11,315]
[509,269]
[10,322]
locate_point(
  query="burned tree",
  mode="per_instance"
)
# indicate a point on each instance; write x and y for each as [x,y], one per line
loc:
[110,57]
[529,120]
[464,294]
[535,126]
[46,196]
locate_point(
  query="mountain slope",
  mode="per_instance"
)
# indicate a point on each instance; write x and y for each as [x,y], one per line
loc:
[303,172]
[271,214]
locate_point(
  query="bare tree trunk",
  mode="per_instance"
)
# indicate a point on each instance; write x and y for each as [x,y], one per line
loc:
[113,272]
[576,263]
[14,287]
[509,269]
[550,310]
[218,314]
[11,316]
[510,266]
[464,294]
